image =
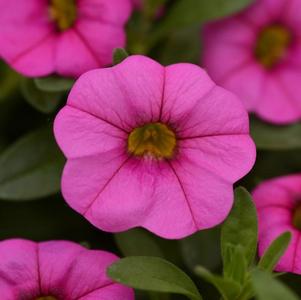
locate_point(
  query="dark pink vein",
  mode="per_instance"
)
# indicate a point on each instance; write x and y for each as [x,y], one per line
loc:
[105,185]
[184,193]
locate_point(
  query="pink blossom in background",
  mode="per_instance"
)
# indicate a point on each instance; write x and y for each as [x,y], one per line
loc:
[56,270]
[257,55]
[137,3]
[67,37]
[152,146]
[278,203]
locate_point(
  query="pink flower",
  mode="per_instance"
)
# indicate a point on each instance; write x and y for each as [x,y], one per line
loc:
[67,37]
[137,4]
[257,54]
[278,202]
[152,146]
[56,270]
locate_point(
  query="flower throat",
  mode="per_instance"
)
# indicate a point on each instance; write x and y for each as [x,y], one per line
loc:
[272,45]
[46,298]
[63,13]
[153,139]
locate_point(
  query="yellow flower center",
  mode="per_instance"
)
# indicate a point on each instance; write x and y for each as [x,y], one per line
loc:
[46,298]
[272,45]
[153,139]
[63,13]
[297,217]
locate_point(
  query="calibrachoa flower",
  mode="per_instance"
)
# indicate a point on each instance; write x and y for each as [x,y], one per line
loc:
[278,203]
[56,270]
[68,37]
[257,54]
[152,146]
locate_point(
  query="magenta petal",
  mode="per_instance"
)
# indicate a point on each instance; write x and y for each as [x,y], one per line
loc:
[275,201]
[282,191]
[110,292]
[222,31]
[248,82]
[18,269]
[229,157]
[26,37]
[185,85]
[114,12]
[60,269]
[125,95]
[117,196]
[96,136]
[193,200]
[291,14]
[219,108]
[209,198]
[97,38]
[78,272]
[278,103]
[222,61]
[83,178]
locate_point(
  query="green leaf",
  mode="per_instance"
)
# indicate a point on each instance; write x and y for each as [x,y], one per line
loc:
[45,102]
[185,13]
[182,45]
[9,81]
[31,167]
[236,269]
[241,228]
[268,288]
[153,274]
[202,248]
[228,288]
[151,8]
[275,251]
[271,137]
[136,242]
[54,84]
[119,55]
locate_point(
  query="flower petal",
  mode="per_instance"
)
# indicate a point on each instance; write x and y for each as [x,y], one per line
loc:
[126,95]
[229,157]
[222,32]
[114,12]
[73,271]
[18,269]
[206,198]
[248,83]
[101,38]
[291,14]
[111,292]
[219,112]
[185,84]
[278,192]
[222,61]
[277,104]
[80,134]
[26,37]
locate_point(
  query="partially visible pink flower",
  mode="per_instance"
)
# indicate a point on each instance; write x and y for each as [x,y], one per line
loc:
[67,37]
[152,146]
[56,270]
[278,203]
[257,55]
[137,4]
